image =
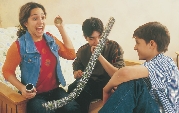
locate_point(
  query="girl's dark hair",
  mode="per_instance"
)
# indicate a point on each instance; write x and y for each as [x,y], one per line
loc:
[24,14]
[90,25]
[154,31]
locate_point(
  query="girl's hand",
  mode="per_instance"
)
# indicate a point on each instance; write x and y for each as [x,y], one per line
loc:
[58,21]
[27,94]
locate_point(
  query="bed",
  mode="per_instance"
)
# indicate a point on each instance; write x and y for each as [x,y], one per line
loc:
[10,100]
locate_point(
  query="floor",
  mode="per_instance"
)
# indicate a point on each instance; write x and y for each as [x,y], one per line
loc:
[95,106]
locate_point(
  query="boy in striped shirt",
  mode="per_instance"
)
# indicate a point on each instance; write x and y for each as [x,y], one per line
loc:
[159,73]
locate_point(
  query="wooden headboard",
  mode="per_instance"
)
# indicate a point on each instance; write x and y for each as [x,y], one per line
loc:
[131,62]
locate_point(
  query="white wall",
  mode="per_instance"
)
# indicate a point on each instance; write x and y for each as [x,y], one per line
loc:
[129,14]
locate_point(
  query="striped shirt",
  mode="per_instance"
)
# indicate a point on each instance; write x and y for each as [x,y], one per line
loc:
[163,83]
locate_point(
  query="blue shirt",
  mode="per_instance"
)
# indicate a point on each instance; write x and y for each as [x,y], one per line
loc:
[163,83]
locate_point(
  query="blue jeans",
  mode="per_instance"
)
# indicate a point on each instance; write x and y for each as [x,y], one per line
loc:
[34,105]
[92,90]
[131,97]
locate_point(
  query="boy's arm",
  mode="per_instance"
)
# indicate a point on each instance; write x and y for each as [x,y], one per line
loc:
[114,58]
[78,68]
[128,73]
[123,75]
[110,69]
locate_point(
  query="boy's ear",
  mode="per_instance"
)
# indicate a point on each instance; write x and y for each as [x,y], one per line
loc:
[152,43]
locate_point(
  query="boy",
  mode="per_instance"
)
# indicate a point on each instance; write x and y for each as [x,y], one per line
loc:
[159,72]
[92,30]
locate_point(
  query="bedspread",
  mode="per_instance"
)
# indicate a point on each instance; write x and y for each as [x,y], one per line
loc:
[74,31]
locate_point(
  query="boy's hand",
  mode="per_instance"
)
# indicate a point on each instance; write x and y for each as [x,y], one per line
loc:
[93,48]
[107,92]
[78,74]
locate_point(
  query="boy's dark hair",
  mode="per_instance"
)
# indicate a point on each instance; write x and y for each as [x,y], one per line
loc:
[154,31]
[90,25]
